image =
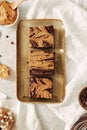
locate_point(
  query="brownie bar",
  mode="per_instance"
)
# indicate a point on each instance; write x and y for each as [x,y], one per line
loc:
[40,87]
[41,37]
[41,63]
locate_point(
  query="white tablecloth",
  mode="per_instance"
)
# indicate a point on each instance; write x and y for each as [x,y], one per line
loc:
[49,117]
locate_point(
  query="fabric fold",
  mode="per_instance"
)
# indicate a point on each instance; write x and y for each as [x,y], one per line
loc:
[26,117]
[74,17]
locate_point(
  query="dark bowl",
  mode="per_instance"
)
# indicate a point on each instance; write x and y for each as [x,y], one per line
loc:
[83,98]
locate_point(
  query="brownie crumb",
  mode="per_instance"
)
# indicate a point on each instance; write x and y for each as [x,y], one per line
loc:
[7,36]
[0,55]
[12,43]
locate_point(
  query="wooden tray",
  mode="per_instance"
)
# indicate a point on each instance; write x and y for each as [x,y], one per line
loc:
[22,60]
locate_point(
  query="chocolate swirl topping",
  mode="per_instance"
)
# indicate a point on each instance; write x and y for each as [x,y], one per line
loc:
[81,124]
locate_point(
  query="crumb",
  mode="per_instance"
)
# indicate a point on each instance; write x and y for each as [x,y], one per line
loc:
[0,55]
[4,72]
[12,43]
[7,36]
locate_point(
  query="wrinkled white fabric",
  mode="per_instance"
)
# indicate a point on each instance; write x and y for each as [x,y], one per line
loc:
[25,114]
[26,117]
[73,13]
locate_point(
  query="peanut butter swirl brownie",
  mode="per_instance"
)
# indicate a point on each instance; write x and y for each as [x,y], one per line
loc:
[41,37]
[40,87]
[41,63]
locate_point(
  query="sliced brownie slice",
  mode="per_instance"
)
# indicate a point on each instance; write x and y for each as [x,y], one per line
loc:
[41,37]
[41,63]
[40,87]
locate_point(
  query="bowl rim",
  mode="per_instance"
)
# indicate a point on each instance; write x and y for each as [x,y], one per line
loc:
[80,100]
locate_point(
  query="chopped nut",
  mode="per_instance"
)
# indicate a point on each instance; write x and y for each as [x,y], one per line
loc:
[9,113]
[2,121]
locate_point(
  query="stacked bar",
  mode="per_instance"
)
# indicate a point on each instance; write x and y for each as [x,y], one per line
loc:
[41,61]
[41,37]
